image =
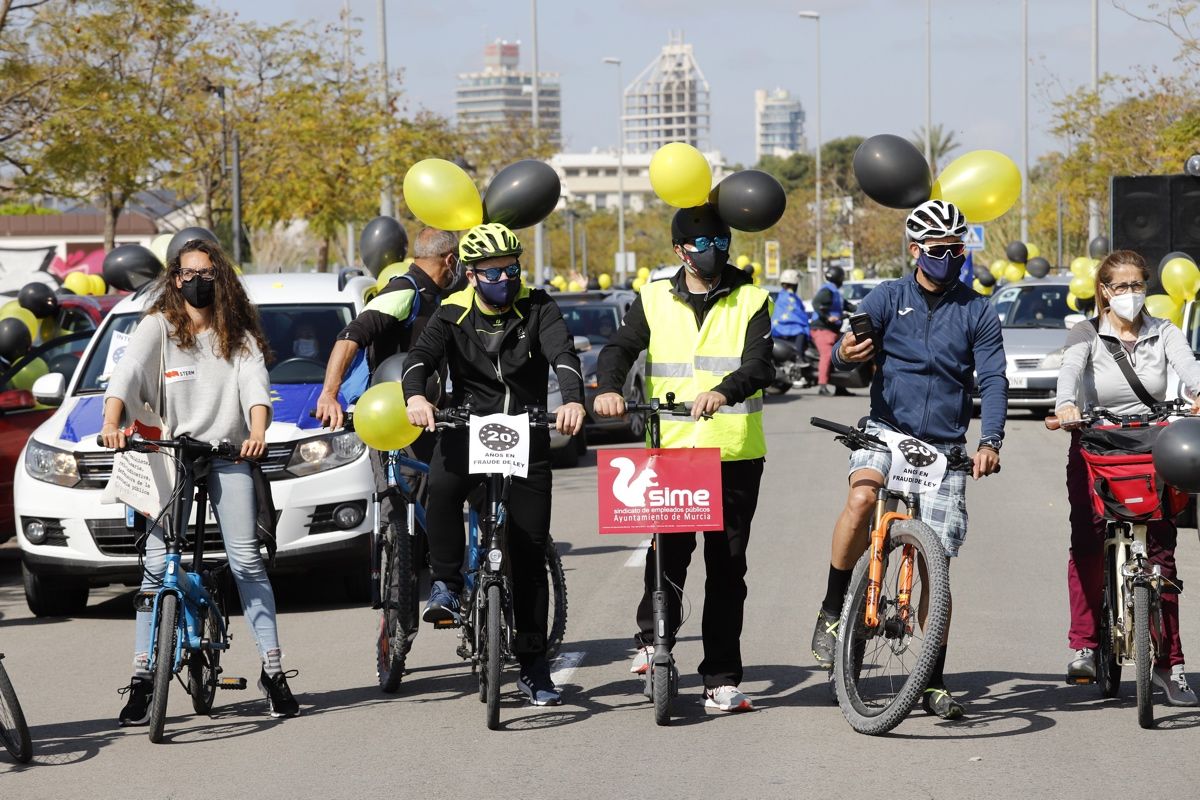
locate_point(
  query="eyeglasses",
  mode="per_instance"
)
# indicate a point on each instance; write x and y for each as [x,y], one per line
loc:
[492,274]
[702,243]
[186,274]
[954,249]
[1124,288]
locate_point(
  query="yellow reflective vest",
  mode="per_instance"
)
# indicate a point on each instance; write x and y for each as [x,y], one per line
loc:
[687,361]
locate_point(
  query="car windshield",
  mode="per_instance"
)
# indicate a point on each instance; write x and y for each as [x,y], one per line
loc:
[300,338]
[1038,306]
[597,322]
[856,291]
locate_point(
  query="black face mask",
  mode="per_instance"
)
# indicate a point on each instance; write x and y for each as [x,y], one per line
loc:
[199,293]
[709,264]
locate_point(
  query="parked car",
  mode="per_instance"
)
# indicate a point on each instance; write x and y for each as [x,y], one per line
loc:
[853,292]
[321,480]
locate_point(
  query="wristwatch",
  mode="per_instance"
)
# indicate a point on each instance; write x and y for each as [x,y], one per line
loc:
[994,442]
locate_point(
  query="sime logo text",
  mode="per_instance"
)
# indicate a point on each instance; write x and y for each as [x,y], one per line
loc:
[676,498]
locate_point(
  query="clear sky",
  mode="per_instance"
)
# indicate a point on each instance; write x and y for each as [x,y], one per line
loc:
[872,51]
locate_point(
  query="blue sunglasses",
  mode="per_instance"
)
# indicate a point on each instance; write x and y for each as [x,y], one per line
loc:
[702,243]
[492,274]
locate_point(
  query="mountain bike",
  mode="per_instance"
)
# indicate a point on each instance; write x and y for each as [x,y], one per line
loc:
[1127,493]
[13,730]
[190,623]
[897,607]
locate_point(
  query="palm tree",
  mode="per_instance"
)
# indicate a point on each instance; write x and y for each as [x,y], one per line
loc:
[942,143]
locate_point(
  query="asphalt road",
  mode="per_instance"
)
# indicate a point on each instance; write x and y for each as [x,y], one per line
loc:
[1027,734]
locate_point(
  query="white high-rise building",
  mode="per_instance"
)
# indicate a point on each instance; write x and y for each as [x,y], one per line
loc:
[778,124]
[668,101]
[503,93]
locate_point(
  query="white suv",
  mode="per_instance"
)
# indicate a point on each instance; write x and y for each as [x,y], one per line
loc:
[321,481]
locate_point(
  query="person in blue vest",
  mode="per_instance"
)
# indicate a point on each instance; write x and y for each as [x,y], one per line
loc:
[790,320]
[826,325]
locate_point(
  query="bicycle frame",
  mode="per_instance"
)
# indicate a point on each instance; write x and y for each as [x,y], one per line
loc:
[1128,554]
[397,487]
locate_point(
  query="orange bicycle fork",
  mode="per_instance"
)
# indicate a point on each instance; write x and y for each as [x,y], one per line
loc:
[883,522]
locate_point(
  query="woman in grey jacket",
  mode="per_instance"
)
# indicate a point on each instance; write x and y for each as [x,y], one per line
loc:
[216,389]
[1089,377]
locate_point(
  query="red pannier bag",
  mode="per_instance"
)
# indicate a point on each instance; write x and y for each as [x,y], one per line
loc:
[1124,485]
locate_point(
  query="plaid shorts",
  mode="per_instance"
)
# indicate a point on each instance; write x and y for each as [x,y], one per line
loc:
[945,512]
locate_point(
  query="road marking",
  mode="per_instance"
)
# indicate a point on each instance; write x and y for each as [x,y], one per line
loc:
[564,667]
[638,559]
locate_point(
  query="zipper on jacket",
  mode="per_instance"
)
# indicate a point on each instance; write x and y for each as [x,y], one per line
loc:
[500,377]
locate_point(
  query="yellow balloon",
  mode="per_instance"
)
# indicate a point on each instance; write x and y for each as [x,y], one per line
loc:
[1161,305]
[997,268]
[391,271]
[47,329]
[559,281]
[1181,279]
[1083,288]
[574,286]
[742,261]
[983,184]
[28,374]
[77,282]
[757,267]
[680,175]
[442,195]
[1072,302]
[643,273]
[981,289]
[13,309]
[1093,268]
[605,280]
[381,420]
[857,274]
[638,283]
[1032,250]
[159,246]
[1014,273]
[1081,266]
[98,286]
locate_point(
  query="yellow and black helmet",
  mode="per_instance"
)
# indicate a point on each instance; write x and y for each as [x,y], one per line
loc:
[488,240]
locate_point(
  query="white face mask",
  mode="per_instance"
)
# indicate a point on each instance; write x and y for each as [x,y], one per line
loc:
[1127,306]
[305,348]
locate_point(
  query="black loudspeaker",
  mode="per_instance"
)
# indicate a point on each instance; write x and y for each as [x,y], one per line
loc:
[1154,215]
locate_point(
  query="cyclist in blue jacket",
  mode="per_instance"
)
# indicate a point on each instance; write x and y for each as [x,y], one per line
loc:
[790,320]
[931,333]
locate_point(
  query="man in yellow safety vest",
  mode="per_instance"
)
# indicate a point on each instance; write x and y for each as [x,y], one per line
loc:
[707,336]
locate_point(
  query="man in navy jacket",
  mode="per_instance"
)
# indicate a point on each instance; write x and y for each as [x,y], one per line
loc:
[934,338]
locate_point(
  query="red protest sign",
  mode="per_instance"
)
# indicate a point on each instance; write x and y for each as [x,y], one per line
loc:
[660,491]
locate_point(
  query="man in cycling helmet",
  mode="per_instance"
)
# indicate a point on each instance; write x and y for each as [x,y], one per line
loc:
[499,339]
[931,333]
[828,310]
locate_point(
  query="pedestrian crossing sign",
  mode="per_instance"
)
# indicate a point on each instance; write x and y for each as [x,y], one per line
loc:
[974,238]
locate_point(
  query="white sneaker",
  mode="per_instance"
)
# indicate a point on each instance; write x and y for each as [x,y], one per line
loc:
[727,698]
[1175,684]
[641,660]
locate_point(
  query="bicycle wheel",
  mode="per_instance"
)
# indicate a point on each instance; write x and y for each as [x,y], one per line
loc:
[1108,663]
[492,655]
[558,600]
[1143,655]
[398,622]
[13,730]
[164,662]
[661,687]
[204,665]
[881,671]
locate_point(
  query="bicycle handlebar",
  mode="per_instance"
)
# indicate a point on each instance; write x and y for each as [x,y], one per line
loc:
[184,445]
[460,417]
[1097,414]
[957,459]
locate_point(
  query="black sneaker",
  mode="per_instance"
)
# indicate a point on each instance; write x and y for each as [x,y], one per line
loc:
[842,391]
[937,700]
[535,683]
[137,707]
[279,696]
[824,639]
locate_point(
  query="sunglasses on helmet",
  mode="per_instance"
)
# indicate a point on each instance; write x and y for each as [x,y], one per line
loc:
[492,274]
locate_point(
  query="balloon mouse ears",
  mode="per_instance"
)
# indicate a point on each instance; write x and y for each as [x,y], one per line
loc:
[750,200]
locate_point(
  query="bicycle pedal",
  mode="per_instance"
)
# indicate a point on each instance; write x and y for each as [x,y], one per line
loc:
[446,623]
[234,684]
[1080,680]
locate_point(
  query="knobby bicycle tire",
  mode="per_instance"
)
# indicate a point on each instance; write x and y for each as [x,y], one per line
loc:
[854,651]
[13,729]
[493,655]
[204,665]
[558,600]
[398,622]
[1108,662]
[1143,655]
[164,662]
[661,687]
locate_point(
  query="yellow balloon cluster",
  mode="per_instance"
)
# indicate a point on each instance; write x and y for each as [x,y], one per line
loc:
[644,273]
[742,261]
[559,282]
[13,309]
[981,289]
[638,283]
[574,286]
[1014,272]
[680,175]
[1165,306]
[1083,283]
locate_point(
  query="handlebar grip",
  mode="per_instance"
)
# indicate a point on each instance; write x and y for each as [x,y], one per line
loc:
[834,427]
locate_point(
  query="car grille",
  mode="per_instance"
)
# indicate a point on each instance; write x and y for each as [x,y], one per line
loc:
[112,538]
[96,468]
[1030,394]
[1026,363]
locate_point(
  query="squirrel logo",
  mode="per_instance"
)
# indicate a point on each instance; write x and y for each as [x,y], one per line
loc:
[627,488]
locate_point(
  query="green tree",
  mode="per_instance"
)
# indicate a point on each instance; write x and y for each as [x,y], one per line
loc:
[941,144]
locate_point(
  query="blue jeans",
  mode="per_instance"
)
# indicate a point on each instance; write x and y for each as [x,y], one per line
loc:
[231,491]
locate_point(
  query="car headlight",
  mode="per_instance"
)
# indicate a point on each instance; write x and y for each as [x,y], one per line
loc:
[1053,360]
[325,452]
[50,464]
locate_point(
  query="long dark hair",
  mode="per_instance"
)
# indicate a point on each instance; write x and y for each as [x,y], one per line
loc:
[1117,258]
[235,319]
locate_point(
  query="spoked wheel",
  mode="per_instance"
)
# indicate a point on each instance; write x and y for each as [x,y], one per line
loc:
[399,620]
[558,600]
[1143,655]
[661,686]
[13,730]
[881,672]
[204,665]
[1108,664]
[164,662]
[492,655]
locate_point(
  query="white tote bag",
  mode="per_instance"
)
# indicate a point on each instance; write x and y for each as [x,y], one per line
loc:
[145,481]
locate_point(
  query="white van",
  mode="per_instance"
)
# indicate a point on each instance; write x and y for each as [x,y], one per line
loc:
[321,481]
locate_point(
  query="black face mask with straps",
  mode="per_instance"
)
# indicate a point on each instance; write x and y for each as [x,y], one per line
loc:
[199,293]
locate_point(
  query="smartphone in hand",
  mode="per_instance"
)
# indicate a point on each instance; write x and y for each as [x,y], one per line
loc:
[862,327]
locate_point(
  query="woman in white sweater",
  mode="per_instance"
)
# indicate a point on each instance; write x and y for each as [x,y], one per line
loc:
[216,389]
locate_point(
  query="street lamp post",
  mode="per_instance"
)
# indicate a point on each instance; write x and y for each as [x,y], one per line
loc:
[929,82]
[815,17]
[620,169]
[1024,120]
[571,235]
[1093,204]
[234,171]
[538,255]
[387,207]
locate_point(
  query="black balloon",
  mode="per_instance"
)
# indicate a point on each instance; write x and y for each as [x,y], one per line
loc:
[892,172]
[1016,252]
[130,267]
[1038,267]
[15,339]
[522,194]
[383,241]
[38,299]
[183,237]
[985,277]
[1098,247]
[1177,454]
[749,200]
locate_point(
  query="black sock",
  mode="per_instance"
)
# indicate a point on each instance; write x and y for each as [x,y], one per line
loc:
[835,591]
[936,679]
